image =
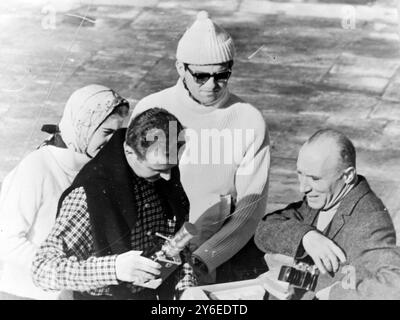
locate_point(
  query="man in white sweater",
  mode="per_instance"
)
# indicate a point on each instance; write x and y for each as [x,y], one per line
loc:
[225,164]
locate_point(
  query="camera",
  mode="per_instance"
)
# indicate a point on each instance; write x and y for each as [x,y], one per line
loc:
[168,254]
[301,275]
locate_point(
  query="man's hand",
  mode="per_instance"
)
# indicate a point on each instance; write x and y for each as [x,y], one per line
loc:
[132,267]
[324,252]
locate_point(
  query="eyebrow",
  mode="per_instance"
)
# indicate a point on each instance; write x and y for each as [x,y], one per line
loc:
[309,175]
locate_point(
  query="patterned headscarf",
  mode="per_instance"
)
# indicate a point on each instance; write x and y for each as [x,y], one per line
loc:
[85,111]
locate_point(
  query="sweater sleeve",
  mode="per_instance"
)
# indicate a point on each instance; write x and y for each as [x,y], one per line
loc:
[21,198]
[251,182]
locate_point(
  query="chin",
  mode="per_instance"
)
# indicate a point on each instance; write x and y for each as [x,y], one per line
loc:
[315,205]
[208,102]
[209,98]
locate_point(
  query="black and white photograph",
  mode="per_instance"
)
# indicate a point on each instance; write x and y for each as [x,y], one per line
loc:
[214,150]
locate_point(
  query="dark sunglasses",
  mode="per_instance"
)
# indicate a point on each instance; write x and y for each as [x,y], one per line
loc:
[202,77]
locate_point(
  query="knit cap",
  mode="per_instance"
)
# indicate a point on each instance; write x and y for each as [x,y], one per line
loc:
[205,43]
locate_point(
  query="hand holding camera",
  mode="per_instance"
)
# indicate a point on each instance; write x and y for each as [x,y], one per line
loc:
[132,267]
[326,255]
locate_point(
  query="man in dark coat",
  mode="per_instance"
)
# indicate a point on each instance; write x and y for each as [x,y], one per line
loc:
[340,218]
[129,192]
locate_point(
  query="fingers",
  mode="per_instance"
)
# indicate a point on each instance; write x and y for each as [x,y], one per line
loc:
[320,265]
[142,262]
[334,262]
[335,255]
[139,277]
[130,266]
[331,262]
[326,260]
[338,252]
[328,257]
[157,282]
[146,265]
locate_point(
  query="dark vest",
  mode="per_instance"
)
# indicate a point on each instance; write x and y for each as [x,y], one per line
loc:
[109,184]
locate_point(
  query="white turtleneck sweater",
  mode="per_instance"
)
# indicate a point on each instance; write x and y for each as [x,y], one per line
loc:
[28,205]
[238,168]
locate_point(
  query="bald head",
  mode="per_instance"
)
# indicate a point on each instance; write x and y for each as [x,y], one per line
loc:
[326,168]
[321,156]
[335,144]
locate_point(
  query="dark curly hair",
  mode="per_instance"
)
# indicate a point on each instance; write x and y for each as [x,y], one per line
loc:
[139,134]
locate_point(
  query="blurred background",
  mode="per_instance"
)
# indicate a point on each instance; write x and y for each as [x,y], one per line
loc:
[305,65]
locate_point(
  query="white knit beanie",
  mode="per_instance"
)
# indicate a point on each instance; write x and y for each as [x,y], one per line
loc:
[205,43]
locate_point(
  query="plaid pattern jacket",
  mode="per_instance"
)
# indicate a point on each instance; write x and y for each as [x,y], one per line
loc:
[67,260]
[108,210]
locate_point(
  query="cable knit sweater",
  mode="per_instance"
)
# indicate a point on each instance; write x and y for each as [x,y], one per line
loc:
[28,206]
[234,163]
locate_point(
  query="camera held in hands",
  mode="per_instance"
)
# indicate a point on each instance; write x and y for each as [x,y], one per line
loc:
[301,275]
[168,256]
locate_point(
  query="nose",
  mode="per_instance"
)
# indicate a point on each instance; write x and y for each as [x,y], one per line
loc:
[304,185]
[211,83]
[166,175]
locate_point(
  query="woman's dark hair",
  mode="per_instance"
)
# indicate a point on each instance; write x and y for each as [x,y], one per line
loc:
[119,110]
[152,120]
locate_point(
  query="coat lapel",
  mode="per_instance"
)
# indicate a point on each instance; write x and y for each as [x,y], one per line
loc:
[338,222]
[347,206]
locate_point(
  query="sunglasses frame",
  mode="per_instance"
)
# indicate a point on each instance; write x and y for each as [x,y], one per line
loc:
[196,79]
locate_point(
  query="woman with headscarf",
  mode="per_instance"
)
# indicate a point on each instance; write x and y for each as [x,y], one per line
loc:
[30,192]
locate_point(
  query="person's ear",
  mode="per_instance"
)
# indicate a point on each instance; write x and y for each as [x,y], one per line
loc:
[180,67]
[349,175]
